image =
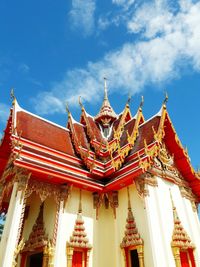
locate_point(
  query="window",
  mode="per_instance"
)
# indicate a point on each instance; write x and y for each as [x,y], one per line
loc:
[134,260]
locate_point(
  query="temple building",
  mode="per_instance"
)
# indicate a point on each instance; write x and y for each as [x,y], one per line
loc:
[111,190]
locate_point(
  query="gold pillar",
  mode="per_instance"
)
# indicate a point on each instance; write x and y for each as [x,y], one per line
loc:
[140,251]
[69,256]
[45,260]
[176,252]
[48,256]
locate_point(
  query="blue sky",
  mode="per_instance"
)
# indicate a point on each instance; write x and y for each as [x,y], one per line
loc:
[53,51]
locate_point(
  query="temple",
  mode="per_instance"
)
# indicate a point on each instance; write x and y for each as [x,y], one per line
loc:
[111,190]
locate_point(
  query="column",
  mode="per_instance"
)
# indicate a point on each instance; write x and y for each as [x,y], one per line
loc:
[60,246]
[176,252]
[13,222]
[140,251]
[70,251]
[60,239]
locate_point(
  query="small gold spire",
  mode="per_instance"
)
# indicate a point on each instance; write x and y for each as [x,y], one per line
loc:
[80,103]
[142,102]
[166,99]
[80,202]
[105,89]
[129,202]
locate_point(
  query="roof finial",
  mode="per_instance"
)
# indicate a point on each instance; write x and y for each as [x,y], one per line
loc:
[166,98]
[67,109]
[80,202]
[12,96]
[142,102]
[105,89]
[129,99]
[80,103]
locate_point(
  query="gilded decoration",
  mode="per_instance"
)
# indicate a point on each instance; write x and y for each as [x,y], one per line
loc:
[122,152]
[17,250]
[48,257]
[132,239]
[108,199]
[142,181]
[165,163]
[78,240]
[180,239]
[44,190]
[38,239]
[186,192]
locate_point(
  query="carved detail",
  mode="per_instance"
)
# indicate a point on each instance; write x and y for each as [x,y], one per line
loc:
[132,236]
[48,255]
[109,199]
[78,239]
[143,180]
[38,238]
[186,192]
[180,238]
[18,249]
[45,190]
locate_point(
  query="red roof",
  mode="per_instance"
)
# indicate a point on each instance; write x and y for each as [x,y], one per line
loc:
[81,155]
[44,133]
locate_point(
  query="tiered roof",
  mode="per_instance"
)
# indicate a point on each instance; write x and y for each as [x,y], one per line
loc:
[80,154]
[180,237]
[79,238]
[132,236]
[38,238]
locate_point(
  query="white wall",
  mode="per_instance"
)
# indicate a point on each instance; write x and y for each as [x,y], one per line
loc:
[153,216]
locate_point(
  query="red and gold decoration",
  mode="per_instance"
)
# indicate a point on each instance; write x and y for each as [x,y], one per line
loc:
[78,248]
[132,239]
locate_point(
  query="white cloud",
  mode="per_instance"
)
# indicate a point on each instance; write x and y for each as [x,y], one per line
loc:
[167,42]
[4,112]
[24,68]
[125,3]
[82,16]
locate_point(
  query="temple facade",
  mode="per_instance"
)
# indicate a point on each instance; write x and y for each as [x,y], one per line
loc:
[112,190]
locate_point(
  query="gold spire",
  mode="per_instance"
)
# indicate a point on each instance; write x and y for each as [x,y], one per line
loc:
[80,202]
[106,109]
[105,89]
[129,202]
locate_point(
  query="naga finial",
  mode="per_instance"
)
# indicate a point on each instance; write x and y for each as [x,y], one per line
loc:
[105,89]
[166,99]
[67,110]
[12,95]
[80,103]
[142,102]
[129,99]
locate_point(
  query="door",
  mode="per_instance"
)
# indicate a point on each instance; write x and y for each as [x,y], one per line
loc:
[134,258]
[184,259]
[77,259]
[35,260]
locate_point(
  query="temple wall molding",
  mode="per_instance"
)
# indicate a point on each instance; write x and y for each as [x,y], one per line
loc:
[9,243]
